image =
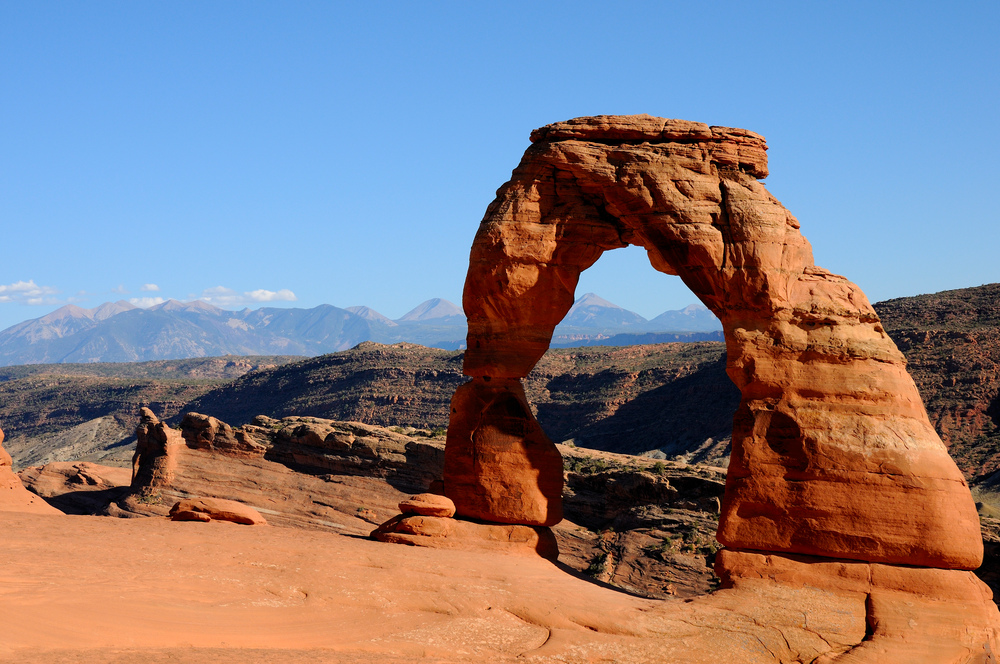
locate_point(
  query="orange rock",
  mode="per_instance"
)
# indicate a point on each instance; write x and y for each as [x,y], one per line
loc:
[833,454]
[428,504]
[13,496]
[206,509]
[446,533]
[914,614]
[155,457]
[499,465]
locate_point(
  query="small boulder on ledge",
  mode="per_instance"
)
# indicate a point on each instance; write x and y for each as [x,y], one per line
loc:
[428,504]
[206,509]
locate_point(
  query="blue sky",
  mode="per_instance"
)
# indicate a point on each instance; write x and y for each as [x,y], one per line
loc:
[250,153]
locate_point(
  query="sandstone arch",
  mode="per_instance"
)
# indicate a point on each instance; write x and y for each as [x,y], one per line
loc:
[833,454]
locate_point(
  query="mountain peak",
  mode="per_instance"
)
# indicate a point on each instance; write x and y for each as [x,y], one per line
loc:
[432,309]
[370,314]
[593,300]
[199,306]
[592,310]
[109,309]
[67,311]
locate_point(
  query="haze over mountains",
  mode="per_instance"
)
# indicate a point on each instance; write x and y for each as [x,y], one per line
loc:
[121,332]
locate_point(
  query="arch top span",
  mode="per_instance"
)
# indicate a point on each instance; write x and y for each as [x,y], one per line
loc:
[727,146]
[832,454]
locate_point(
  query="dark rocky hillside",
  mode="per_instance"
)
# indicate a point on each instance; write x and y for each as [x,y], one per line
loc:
[631,399]
[952,344]
[90,411]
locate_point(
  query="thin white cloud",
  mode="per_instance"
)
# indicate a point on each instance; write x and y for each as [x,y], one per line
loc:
[28,292]
[120,289]
[149,287]
[261,295]
[226,297]
[146,302]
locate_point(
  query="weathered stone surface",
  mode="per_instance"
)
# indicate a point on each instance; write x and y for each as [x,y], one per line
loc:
[833,454]
[499,465]
[446,533]
[206,432]
[13,496]
[428,504]
[155,457]
[914,614]
[219,509]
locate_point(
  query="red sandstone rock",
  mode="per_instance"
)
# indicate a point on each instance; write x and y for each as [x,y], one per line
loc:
[428,504]
[219,509]
[155,460]
[499,465]
[446,533]
[833,454]
[13,496]
[914,614]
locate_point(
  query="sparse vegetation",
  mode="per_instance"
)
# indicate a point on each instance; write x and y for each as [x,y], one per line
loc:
[597,564]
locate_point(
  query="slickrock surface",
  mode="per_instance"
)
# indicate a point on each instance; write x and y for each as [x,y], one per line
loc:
[639,524]
[219,592]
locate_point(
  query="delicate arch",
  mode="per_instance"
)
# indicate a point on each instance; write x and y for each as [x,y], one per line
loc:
[833,454]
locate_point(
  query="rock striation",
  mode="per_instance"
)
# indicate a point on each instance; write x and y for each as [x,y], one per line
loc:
[833,456]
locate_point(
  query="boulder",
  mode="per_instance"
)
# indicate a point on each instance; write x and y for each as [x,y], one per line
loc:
[428,504]
[447,533]
[219,509]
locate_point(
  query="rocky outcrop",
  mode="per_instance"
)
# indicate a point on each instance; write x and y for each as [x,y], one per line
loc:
[13,496]
[155,457]
[298,471]
[833,456]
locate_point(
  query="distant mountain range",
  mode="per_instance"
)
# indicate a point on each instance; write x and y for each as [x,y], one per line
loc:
[121,332]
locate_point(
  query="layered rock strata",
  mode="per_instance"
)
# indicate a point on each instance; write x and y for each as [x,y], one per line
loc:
[833,455]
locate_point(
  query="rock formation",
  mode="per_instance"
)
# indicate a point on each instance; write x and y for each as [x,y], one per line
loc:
[833,456]
[426,520]
[154,460]
[13,496]
[215,509]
